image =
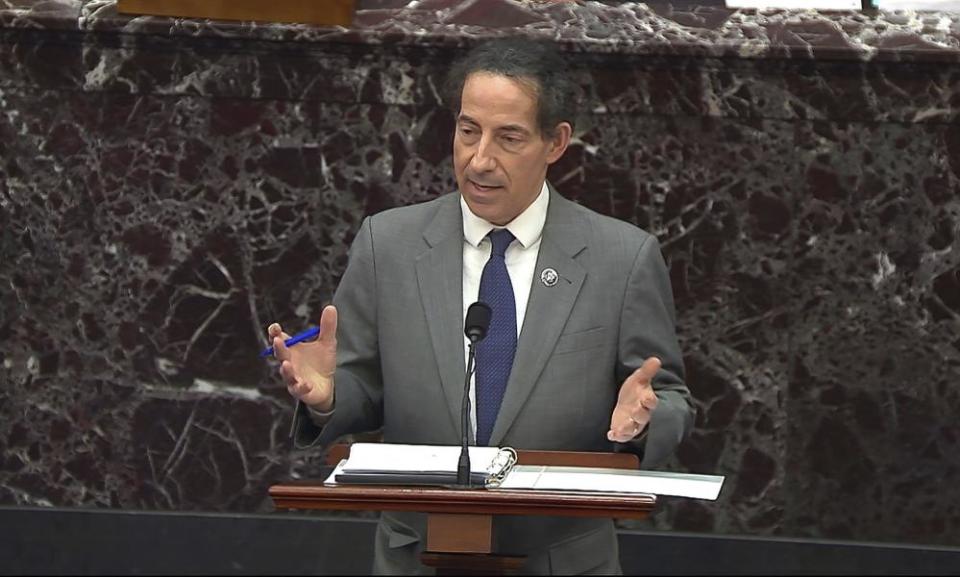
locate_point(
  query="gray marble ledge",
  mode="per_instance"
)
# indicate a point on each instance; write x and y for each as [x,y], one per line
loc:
[627,28]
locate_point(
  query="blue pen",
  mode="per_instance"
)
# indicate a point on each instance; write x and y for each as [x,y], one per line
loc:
[297,338]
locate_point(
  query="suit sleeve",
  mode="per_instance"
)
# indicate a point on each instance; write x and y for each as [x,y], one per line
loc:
[648,329]
[358,384]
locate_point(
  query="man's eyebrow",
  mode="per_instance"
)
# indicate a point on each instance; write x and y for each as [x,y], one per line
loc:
[514,128]
[505,128]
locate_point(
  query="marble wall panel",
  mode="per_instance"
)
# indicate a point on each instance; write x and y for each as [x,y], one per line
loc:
[629,84]
[50,59]
[685,28]
[261,69]
[48,14]
[771,89]
[877,360]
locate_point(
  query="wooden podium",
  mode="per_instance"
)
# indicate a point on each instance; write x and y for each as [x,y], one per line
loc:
[460,521]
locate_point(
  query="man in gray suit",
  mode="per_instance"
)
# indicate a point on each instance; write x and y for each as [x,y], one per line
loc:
[587,317]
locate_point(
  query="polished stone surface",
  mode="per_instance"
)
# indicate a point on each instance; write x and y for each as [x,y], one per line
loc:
[168,187]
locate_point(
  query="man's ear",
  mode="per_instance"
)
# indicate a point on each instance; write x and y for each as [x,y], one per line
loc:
[559,141]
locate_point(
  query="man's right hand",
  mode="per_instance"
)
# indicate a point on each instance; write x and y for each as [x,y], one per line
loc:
[307,368]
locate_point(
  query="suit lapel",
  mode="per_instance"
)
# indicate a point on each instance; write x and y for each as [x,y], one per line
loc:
[547,310]
[440,279]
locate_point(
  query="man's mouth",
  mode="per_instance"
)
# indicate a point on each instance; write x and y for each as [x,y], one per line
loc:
[484,187]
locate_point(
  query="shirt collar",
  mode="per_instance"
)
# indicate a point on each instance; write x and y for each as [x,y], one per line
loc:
[526,228]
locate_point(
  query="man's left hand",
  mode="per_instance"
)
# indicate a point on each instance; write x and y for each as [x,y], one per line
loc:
[635,404]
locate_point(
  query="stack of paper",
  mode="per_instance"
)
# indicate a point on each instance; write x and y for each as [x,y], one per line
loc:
[612,481]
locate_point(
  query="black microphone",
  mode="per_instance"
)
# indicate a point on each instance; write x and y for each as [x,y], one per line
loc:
[475,327]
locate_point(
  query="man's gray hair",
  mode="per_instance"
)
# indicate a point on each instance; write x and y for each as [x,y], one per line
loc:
[532,62]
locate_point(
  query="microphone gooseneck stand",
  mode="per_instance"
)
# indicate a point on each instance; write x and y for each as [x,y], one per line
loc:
[475,328]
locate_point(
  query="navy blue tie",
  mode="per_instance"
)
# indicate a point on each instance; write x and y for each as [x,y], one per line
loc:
[495,352]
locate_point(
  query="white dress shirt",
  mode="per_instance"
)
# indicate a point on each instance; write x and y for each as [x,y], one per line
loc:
[521,260]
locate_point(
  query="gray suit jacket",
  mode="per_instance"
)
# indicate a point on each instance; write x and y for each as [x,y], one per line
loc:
[401,360]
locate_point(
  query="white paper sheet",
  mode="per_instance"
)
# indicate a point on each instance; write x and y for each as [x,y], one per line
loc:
[613,481]
[332,478]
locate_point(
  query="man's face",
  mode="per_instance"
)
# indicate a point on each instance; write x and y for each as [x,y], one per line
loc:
[500,157]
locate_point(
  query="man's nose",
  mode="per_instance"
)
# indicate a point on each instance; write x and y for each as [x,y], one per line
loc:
[483,159]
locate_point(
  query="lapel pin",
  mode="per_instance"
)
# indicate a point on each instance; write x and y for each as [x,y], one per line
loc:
[549,277]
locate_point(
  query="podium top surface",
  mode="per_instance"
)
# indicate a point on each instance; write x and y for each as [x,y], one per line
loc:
[316,495]
[313,494]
